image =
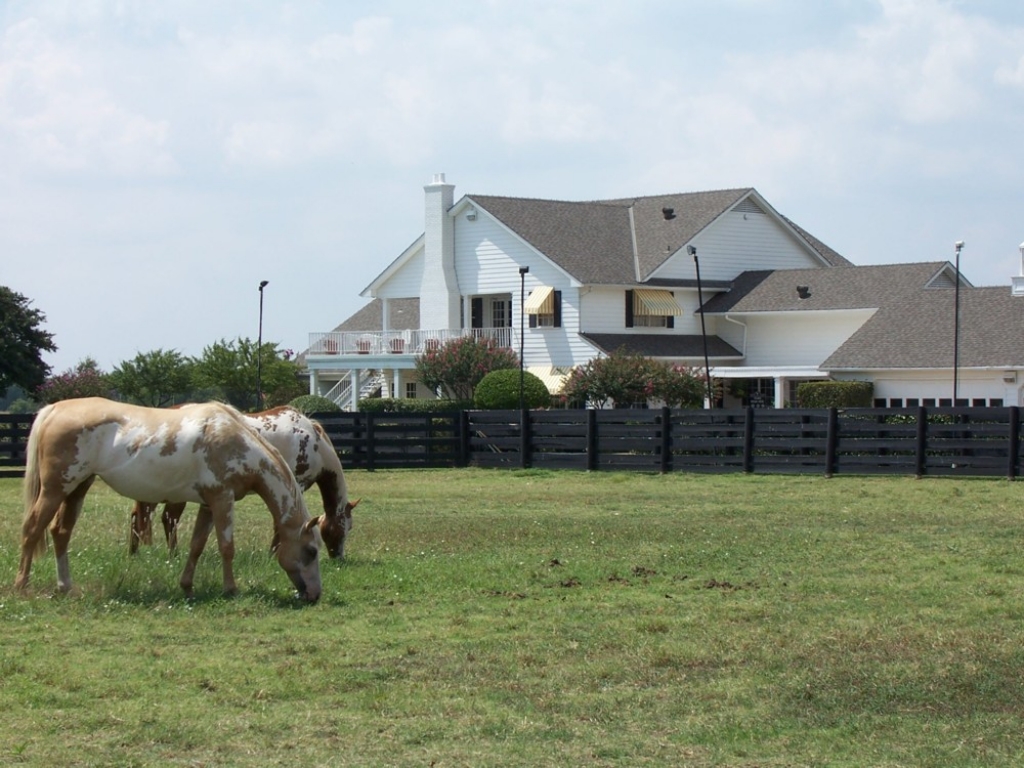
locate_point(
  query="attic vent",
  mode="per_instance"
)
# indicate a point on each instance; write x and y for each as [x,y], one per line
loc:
[748,206]
[803,291]
[668,213]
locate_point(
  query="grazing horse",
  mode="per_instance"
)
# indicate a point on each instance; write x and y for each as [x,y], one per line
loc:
[204,453]
[307,449]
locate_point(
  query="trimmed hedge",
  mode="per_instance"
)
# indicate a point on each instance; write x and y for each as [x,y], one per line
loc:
[499,390]
[404,405]
[835,394]
[308,404]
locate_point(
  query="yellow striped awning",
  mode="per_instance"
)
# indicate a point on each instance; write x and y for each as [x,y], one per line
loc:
[552,376]
[541,301]
[657,303]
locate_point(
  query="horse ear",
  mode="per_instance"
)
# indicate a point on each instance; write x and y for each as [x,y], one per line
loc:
[353,504]
[312,523]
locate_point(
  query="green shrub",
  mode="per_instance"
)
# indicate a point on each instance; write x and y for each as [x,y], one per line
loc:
[499,390]
[835,394]
[314,404]
[403,405]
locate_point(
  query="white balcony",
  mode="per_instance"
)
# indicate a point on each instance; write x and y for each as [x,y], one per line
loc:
[323,347]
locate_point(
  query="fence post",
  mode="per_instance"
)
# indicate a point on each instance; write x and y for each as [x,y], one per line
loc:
[666,439]
[371,447]
[524,438]
[831,441]
[462,430]
[1013,455]
[921,458]
[748,441]
[591,439]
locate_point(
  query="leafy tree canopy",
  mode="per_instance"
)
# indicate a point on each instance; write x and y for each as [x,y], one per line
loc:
[229,370]
[156,379]
[22,342]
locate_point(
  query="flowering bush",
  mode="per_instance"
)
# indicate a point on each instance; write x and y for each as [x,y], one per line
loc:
[84,380]
[626,379]
[456,367]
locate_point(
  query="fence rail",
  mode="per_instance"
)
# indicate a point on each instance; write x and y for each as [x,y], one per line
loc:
[922,441]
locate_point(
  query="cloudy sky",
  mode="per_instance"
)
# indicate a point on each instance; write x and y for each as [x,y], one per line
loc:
[159,159]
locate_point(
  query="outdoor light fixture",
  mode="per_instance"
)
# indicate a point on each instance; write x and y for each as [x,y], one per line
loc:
[522,305]
[959,246]
[692,250]
[259,351]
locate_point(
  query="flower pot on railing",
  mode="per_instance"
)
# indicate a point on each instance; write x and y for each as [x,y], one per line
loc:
[432,345]
[363,346]
[397,346]
[330,347]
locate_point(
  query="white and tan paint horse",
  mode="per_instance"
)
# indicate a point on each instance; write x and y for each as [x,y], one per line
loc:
[205,453]
[307,449]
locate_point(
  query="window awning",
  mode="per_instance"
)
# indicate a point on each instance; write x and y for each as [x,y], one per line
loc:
[541,301]
[647,301]
[552,376]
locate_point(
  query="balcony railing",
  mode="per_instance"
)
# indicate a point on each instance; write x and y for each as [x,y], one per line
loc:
[410,342]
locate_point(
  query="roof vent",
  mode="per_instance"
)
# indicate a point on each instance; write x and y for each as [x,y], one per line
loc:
[668,213]
[803,291]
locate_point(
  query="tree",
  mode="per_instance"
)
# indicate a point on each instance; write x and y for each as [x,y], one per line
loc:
[156,378]
[682,386]
[84,380]
[22,343]
[228,370]
[457,366]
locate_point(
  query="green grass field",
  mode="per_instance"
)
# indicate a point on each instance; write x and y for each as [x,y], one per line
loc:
[539,618]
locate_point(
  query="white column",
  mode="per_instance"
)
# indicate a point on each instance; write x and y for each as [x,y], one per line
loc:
[396,383]
[780,392]
[314,382]
[354,396]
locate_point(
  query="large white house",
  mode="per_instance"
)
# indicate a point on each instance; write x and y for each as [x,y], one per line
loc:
[569,281]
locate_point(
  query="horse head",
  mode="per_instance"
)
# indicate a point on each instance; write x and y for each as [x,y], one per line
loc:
[334,529]
[298,553]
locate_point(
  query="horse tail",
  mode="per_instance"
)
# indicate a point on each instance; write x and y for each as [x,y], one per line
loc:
[32,485]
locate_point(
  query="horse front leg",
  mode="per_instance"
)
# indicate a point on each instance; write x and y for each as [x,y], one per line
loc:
[223,520]
[200,533]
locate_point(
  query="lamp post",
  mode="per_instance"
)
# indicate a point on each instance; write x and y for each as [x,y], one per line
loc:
[522,330]
[259,351]
[959,246]
[692,250]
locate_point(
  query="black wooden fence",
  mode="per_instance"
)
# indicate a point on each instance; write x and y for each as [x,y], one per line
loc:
[858,441]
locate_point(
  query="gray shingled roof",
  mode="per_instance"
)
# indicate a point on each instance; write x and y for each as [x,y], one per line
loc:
[918,332]
[650,345]
[593,241]
[828,289]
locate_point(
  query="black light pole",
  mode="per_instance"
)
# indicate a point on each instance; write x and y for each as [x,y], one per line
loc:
[259,351]
[522,330]
[959,245]
[692,250]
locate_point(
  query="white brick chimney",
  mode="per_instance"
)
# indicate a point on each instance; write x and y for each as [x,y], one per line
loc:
[439,290]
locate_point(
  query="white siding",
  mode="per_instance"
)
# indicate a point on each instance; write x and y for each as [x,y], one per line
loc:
[804,338]
[487,261]
[738,242]
[405,283]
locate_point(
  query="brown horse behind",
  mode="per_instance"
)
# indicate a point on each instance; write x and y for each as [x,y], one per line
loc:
[307,449]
